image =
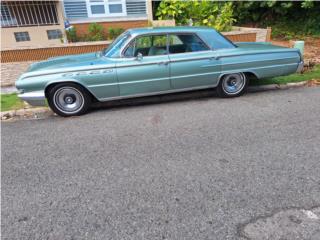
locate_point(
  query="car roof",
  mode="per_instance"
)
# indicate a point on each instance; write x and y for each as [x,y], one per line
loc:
[146,30]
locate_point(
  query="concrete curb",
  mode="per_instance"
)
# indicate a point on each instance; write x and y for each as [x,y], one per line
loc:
[39,112]
[27,113]
[276,86]
[8,89]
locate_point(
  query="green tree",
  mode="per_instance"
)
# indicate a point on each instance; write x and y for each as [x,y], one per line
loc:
[288,19]
[199,13]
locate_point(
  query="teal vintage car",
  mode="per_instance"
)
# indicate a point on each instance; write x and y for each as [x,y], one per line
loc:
[151,61]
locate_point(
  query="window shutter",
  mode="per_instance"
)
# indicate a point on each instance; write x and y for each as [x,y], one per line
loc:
[75,9]
[136,7]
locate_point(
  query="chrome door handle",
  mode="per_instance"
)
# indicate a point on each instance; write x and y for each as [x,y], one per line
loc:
[212,58]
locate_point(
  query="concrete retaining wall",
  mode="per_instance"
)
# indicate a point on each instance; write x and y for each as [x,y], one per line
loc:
[11,71]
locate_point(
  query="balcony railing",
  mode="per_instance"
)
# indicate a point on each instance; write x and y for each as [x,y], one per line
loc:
[28,13]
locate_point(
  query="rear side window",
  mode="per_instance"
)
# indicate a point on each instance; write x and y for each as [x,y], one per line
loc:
[184,43]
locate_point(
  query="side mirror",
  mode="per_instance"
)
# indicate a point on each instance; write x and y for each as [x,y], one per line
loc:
[139,56]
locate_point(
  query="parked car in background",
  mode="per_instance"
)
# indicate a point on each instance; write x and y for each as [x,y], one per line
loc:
[151,61]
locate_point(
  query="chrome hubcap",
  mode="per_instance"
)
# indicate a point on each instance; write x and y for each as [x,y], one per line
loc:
[68,99]
[233,83]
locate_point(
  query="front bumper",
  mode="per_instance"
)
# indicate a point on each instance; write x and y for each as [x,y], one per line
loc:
[300,67]
[34,98]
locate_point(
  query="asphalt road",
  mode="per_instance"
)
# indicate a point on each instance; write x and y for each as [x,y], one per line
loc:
[203,168]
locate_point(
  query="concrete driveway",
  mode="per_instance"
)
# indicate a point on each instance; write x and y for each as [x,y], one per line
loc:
[203,168]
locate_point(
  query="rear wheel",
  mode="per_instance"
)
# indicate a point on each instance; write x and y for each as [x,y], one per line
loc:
[68,99]
[232,85]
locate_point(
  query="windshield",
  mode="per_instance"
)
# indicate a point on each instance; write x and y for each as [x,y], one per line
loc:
[113,50]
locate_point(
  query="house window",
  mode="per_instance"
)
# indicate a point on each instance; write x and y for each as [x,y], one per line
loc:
[54,34]
[22,36]
[105,8]
[115,6]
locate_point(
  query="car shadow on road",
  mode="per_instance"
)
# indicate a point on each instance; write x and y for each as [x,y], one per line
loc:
[200,95]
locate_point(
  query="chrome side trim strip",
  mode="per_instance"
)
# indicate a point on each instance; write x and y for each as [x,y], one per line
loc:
[194,75]
[129,82]
[255,53]
[157,93]
[210,65]
[263,60]
[69,71]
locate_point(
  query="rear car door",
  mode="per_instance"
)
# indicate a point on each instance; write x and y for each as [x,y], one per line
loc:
[148,72]
[192,63]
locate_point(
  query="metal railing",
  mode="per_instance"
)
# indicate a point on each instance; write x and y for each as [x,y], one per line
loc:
[28,13]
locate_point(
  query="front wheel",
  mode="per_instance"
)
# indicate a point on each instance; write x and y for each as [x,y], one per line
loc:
[68,99]
[232,85]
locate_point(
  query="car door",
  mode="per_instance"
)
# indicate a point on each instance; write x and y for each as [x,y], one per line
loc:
[144,67]
[192,63]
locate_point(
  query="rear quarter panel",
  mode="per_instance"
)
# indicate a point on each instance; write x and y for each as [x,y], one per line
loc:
[262,64]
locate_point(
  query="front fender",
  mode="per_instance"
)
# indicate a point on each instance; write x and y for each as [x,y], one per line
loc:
[69,80]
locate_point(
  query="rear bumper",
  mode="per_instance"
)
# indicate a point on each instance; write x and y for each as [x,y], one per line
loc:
[300,67]
[34,98]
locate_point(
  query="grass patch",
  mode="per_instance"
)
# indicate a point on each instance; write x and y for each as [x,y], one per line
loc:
[296,77]
[10,102]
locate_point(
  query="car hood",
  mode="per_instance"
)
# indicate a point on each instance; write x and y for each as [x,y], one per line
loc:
[68,61]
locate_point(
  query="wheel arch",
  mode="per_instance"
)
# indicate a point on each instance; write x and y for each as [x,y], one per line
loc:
[248,74]
[50,85]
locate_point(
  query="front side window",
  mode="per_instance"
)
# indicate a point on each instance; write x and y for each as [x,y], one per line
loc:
[150,45]
[105,8]
[184,43]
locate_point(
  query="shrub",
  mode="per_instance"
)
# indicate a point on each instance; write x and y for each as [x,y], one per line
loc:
[95,32]
[198,13]
[72,35]
[114,32]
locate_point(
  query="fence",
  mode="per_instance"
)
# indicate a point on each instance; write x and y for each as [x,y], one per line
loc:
[241,37]
[31,54]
